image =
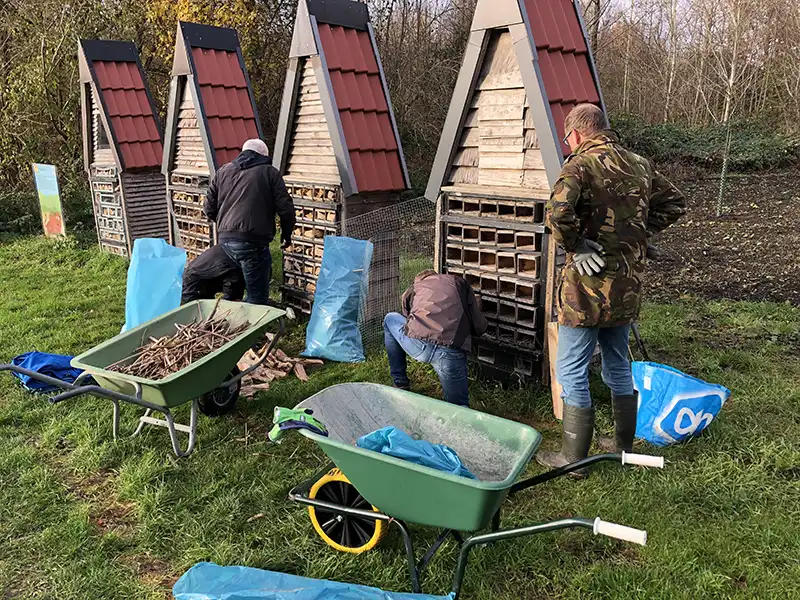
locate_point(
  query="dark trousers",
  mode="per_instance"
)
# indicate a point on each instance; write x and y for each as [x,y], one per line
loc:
[256,264]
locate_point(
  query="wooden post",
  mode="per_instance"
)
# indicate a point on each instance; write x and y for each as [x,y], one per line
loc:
[552,352]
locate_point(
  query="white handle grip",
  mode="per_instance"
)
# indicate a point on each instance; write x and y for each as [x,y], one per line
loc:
[644,460]
[620,532]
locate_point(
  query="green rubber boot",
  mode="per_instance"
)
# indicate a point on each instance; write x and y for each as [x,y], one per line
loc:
[625,409]
[576,439]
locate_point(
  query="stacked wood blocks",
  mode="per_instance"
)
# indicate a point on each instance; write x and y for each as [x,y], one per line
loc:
[189,180]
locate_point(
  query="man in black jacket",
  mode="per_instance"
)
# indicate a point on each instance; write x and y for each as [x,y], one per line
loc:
[242,200]
[211,273]
[440,316]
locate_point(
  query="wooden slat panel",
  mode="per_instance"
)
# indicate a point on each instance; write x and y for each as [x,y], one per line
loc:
[464,175]
[470,138]
[495,97]
[511,161]
[500,177]
[472,118]
[466,157]
[500,69]
[310,159]
[502,129]
[500,112]
[533,159]
[535,179]
[528,117]
[189,150]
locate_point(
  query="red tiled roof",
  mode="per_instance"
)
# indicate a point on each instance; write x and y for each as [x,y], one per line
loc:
[563,58]
[129,112]
[226,100]
[363,109]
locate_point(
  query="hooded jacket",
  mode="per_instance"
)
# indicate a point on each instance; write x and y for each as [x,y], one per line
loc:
[442,309]
[244,197]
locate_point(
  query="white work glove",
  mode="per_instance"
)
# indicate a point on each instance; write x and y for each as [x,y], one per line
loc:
[588,258]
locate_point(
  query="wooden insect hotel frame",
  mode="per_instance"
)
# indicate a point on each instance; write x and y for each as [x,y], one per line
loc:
[122,145]
[337,143]
[211,113]
[527,64]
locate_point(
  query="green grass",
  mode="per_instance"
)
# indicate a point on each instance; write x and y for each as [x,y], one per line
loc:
[83,517]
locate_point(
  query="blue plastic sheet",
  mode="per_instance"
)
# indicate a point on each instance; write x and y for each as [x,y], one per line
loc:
[673,406]
[396,442]
[155,279]
[333,331]
[52,365]
[207,581]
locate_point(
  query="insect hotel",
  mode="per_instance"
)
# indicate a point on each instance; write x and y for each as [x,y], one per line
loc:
[211,113]
[122,145]
[337,143]
[526,66]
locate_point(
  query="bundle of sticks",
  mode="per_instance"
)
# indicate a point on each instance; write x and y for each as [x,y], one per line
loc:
[276,366]
[162,356]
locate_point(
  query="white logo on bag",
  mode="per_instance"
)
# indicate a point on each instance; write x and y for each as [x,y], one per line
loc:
[698,420]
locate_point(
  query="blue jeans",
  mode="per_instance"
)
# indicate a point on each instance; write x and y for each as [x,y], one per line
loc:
[575,349]
[450,364]
[256,264]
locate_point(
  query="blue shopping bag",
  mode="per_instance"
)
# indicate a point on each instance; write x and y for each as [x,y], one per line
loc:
[155,281]
[342,285]
[673,406]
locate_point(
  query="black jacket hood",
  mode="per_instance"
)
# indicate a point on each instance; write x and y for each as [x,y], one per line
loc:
[251,158]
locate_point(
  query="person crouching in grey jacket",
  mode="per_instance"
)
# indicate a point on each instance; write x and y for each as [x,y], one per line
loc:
[440,316]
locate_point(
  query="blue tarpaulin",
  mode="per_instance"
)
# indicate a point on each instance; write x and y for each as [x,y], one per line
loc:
[207,581]
[396,442]
[52,365]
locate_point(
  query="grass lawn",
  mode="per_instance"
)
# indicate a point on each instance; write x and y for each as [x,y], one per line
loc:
[83,517]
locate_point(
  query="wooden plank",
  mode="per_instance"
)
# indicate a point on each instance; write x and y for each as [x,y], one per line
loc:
[311,108]
[528,118]
[493,191]
[320,142]
[500,177]
[308,127]
[503,129]
[500,112]
[531,139]
[500,69]
[495,97]
[471,119]
[319,151]
[304,159]
[533,159]
[315,133]
[470,138]
[497,160]
[535,179]
[505,145]
[309,95]
[464,175]
[466,157]
[550,364]
[311,170]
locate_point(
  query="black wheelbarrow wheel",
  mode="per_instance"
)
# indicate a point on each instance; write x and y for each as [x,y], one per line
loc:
[346,533]
[222,400]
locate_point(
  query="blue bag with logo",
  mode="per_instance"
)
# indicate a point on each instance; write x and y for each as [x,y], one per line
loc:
[155,281]
[673,406]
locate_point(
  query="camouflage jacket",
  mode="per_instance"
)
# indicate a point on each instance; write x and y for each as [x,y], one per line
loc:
[612,196]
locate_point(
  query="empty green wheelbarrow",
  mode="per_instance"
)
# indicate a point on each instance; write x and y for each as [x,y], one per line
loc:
[352,501]
[211,383]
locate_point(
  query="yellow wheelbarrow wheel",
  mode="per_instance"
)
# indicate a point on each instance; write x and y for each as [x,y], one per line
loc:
[346,533]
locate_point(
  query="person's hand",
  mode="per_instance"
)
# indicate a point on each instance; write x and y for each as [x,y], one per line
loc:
[588,258]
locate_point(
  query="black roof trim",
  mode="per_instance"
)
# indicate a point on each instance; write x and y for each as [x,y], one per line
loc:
[345,13]
[208,36]
[111,50]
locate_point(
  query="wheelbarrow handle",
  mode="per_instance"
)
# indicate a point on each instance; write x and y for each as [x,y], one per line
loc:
[620,532]
[78,391]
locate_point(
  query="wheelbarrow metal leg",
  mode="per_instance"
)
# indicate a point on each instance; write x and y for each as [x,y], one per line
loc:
[410,557]
[169,422]
[498,536]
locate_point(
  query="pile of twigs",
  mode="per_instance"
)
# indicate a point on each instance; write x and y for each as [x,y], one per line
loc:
[160,357]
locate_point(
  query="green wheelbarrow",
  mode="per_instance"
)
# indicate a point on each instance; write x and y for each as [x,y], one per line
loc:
[352,501]
[211,383]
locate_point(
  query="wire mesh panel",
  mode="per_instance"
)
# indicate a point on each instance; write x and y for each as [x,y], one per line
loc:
[403,236]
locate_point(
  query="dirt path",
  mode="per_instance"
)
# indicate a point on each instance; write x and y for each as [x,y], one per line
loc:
[752,252]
